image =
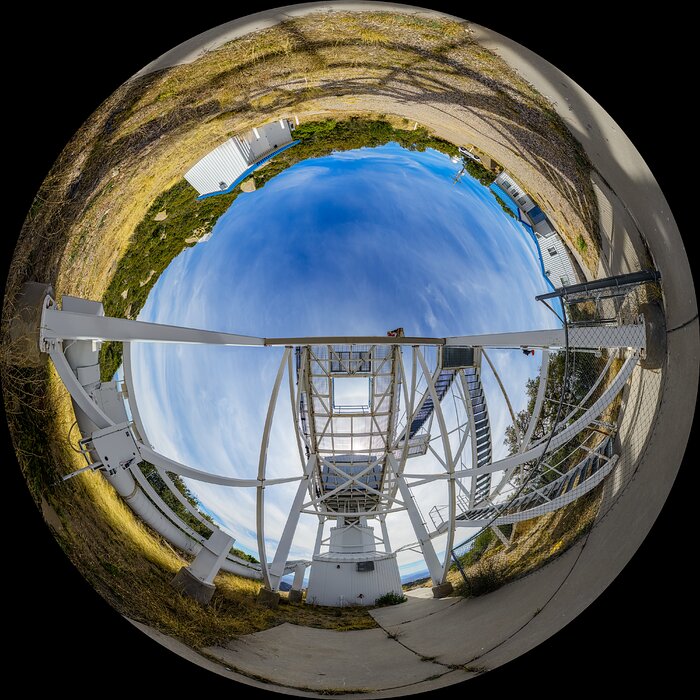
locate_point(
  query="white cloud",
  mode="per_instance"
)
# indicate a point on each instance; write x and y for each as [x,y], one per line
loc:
[329,249]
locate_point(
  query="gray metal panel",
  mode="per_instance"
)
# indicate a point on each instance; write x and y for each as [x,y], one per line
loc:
[454,357]
[269,138]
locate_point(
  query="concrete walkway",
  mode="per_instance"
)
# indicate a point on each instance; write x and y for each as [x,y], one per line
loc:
[420,645]
[423,644]
[327,660]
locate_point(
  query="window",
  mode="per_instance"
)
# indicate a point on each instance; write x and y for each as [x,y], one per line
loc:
[552,251]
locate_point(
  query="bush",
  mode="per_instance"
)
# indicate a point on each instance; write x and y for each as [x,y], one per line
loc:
[485,577]
[390,598]
[479,172]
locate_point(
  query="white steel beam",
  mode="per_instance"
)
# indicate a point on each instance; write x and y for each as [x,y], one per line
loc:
[164,507]
[171,465]
[65,325]
[262,465]
[591,337]
[505,396]
[176,492]
[431,559]
[385,533]
[539,401]
[133,403]
[319,536]
[452,497]
[354,340]
[295,412]
[331,514]
[278,563]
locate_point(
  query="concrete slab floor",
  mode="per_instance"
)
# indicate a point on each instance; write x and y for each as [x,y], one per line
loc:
[460,633]
[412,609]
[191,655]
[323,660]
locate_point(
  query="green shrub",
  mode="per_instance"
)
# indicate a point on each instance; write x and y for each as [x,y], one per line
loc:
[504,206]
[390,598]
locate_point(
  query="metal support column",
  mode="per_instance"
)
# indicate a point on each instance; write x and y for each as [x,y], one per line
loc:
[285,543]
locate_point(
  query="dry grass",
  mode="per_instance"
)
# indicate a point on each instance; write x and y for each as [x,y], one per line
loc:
[141,140]
[131,566]
[535,543]
[299,66]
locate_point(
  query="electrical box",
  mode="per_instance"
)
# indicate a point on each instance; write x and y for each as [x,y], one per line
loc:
[116,447]
[455,357]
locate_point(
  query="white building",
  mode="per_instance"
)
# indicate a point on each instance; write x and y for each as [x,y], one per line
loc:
[352,572]
[555,257]
[231,162]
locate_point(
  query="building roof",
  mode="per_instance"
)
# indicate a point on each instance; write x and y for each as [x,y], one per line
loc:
[223,168]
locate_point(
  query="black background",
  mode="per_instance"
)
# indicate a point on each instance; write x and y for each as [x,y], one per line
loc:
[61,63]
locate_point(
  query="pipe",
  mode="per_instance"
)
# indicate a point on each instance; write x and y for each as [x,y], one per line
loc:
[83,355]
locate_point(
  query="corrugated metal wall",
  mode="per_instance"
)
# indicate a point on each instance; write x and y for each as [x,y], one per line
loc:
[218,169]
[555,256]
[337,582]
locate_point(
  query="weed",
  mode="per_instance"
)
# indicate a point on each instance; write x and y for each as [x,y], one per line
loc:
[475,669]
[483,578]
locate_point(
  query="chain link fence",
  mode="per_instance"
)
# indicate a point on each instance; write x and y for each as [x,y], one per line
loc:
[592,425]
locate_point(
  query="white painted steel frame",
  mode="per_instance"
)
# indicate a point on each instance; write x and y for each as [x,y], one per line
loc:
[539,401]
[437,407]
[319,367]
[554,504]
[59,325]
[63,325]
[569,431]
[262,466]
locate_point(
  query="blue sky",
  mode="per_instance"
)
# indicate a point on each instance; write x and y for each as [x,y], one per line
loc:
[355,243]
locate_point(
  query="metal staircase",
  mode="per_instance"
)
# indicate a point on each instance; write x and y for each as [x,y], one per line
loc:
[482,431]
[536,495]
[426,407]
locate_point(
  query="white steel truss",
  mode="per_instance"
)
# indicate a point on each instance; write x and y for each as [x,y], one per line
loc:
[353,457]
